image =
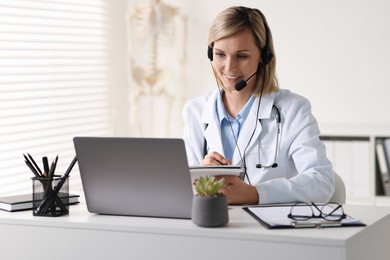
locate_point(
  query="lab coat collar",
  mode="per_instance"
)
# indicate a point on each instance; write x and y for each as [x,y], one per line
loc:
[212,132]
[209,113]
[267,101]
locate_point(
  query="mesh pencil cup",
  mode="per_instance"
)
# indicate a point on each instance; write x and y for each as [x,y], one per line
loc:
[48,200]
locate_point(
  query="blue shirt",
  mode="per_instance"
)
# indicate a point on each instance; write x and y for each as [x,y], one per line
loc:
[231,131]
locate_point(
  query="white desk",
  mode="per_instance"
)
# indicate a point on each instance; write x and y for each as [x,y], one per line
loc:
[82,235]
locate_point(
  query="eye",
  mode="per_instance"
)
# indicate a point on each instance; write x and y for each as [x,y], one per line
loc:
[219,54]
[242,56]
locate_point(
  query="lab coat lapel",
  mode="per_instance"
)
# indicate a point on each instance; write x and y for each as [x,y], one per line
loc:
[245,142]
[212,132]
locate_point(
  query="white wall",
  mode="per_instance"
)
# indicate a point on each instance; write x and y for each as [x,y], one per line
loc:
[334,52]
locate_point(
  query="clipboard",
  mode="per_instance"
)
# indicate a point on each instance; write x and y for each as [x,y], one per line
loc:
[276,217]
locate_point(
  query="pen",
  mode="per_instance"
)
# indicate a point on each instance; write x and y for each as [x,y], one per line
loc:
[34,163]
[297,224]
[70,167]
[45,166]
[31,166]
[53,168]
[50,175]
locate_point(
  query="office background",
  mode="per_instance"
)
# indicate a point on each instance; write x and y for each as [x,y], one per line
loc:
[65,70]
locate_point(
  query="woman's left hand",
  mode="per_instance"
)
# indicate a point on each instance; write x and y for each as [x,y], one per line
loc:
[238,192]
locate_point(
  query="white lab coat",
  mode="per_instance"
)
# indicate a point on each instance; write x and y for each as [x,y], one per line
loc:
[304,173]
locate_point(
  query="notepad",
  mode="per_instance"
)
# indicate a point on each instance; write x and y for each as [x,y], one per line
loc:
[217,170]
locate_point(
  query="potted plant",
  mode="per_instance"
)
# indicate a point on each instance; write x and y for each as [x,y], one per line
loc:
[209,206]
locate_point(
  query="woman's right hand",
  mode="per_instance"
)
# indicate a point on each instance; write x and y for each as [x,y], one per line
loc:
[214,158]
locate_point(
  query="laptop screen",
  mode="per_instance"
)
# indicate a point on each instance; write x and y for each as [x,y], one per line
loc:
[135,176]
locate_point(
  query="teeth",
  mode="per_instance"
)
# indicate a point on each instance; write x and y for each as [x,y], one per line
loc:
[231,77]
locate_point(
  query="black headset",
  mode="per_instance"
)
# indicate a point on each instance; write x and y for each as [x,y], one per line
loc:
[266,52]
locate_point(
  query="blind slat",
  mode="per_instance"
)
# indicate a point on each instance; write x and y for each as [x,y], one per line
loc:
[7,19]
[51,62]
[64,70]
[93,6]
[36,46]
[48,30]
[39,86]
[53,37]
[48,77]
[51,13]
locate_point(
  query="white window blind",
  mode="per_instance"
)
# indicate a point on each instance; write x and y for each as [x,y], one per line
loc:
[54,80]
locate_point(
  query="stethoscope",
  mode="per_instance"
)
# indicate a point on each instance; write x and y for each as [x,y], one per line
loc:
[259,165]
[278,120]
[278,123]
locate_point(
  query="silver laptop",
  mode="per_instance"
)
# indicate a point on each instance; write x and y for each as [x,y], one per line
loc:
[135,176]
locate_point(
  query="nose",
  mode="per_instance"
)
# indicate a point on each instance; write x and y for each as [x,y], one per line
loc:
[230,64]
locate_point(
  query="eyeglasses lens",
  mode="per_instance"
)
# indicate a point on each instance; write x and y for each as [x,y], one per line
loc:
[332,212]
[301,211]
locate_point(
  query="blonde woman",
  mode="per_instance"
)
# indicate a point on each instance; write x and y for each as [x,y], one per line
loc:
[249,121]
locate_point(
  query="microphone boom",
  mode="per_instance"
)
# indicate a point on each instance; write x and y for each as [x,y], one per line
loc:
[242,84]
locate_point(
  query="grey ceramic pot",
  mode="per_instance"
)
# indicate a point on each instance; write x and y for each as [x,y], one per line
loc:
[210,212]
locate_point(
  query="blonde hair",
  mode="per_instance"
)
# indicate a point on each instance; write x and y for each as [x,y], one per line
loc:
[238,18]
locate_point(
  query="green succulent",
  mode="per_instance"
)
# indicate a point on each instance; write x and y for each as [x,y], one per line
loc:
[208,186]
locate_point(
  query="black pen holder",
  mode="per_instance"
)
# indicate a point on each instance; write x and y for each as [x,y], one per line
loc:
[46,201]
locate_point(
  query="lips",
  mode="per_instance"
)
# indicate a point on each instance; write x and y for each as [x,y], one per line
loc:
[231,77]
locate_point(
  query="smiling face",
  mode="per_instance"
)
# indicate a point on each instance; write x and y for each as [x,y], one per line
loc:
[236,58]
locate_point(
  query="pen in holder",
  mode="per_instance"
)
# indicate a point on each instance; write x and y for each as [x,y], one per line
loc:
[47,202]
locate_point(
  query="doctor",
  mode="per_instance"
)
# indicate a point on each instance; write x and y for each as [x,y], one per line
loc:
[249,121]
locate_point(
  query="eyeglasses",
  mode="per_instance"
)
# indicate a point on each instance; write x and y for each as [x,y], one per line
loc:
[304,211]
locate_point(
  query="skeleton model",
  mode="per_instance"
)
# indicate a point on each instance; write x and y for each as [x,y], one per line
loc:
[153,29]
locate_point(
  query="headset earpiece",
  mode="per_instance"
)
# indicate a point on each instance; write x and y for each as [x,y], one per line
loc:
[266,52]
[210,53]
[267,57]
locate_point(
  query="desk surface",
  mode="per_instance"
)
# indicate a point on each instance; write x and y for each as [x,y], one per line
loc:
[83,228]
